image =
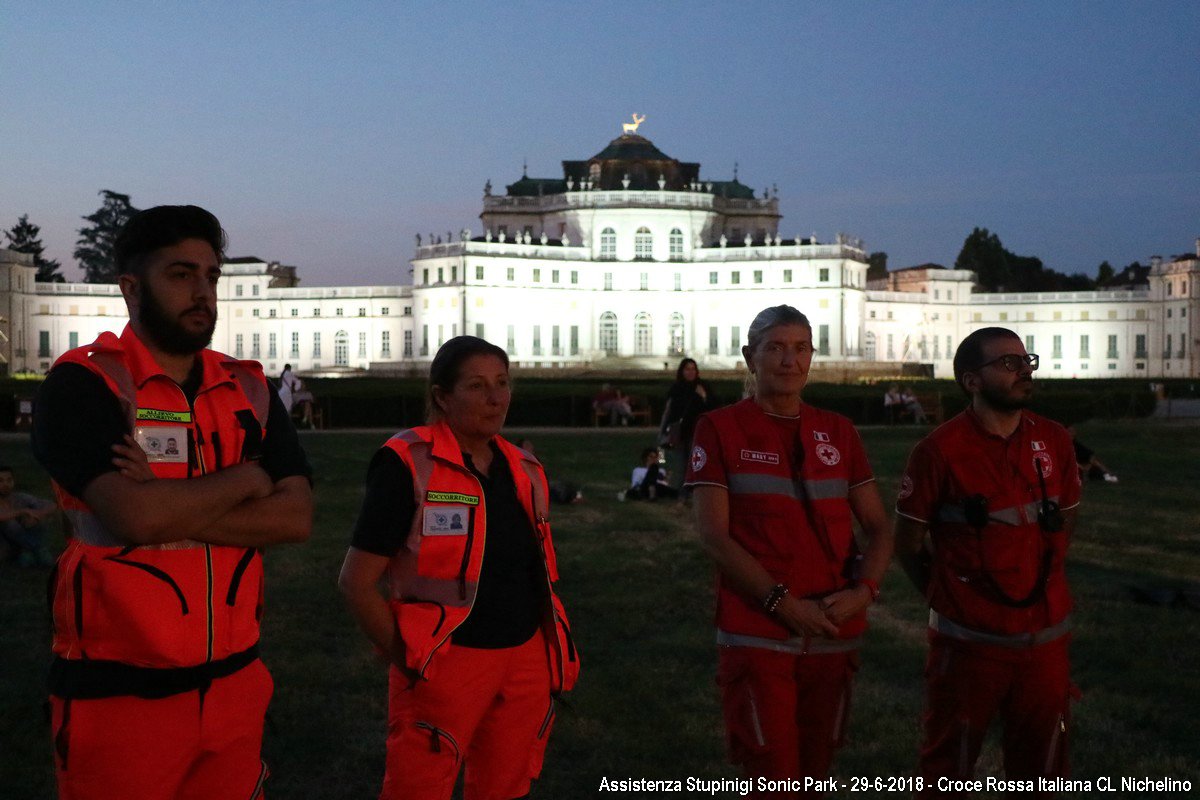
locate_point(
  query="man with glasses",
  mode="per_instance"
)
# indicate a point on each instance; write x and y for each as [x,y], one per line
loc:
[996,489]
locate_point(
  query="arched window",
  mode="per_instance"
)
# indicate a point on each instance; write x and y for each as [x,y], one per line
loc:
[643,244]
[676,242]
[608,333]
[341,349]
[608,243]
[642,335]
[677,334]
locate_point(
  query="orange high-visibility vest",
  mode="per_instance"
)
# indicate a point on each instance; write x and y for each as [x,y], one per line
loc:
[435,575]
[181,604]
[794,519]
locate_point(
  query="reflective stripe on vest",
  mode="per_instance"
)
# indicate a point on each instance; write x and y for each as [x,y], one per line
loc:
[1012,515]
[948,627]
[830,489]
[797,645]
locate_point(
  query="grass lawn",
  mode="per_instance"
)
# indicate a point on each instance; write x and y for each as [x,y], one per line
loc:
[640,594]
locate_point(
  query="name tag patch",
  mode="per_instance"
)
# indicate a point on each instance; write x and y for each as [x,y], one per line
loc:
[162,444]
[451,497]
[446,520]
[760,458]
[158,415]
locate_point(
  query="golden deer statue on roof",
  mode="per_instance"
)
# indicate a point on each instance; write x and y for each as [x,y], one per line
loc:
[631,127]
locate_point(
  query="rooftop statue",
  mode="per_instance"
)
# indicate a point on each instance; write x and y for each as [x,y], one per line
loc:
[631,127]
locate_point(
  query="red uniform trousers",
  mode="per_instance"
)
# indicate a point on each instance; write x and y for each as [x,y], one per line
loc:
[190,746]
[488,709]
[785,714]
[968,683]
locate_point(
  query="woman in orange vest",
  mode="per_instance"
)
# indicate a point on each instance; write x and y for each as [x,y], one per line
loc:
[776,483]
[454,523]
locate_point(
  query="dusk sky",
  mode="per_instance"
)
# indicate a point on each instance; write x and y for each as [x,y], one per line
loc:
[325,135]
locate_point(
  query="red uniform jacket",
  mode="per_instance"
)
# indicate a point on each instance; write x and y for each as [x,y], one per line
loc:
[788,504]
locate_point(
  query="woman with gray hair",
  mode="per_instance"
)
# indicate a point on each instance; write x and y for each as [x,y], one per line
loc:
[776,482]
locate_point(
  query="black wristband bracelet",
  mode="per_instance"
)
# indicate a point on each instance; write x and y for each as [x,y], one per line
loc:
[774,598]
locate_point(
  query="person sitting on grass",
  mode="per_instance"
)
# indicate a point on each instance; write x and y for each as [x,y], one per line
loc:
[21,518]
[648,481]
[1090,467]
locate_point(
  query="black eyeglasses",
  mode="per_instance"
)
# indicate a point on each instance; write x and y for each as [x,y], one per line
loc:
[1012,362]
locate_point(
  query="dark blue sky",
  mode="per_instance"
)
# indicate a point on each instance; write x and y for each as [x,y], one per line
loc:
[326,134]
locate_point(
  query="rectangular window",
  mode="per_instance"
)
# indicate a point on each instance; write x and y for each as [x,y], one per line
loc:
[316,312]
[1004,316]
[295,351]
[362,312]
[511,343]
[554,276]
[383,312]
[1112,314]
[574,277]
[408,344]
[362,344]
[758,276]
[255,345]
[1167,351]
[555,343]
[537,340]
[1085,315]
[454,274]
[316,345]
[237,289]
[1112,346]
[644,281]
[823,275]
[511,274]
[787,276]
[678,282]
[237,346]
[1057,352]
[479,331]
[254,313]
[713,341]
[1029,343]
[537,275]
[735,277]
[272,345]
[574,340]
[1084,348]
[608,281]
[823,340]
[937,294]
[385,344]
[295,312]
[441,274]
[254,290]
[735,340]
[1140,346]
[271,313]
[891,349]
[478,272]
[441,335]
[338,311]
[73,340]
[424,340]
[712,279]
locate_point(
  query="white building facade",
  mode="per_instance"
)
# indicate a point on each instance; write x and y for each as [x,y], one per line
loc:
[632,260]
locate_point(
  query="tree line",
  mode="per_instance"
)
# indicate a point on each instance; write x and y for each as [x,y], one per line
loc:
[997,269]
[93,248]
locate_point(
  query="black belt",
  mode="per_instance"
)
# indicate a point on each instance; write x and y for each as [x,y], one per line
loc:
[91,680]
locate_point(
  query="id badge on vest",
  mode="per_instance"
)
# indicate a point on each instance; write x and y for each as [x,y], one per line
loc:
[163,443]
[449,520]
